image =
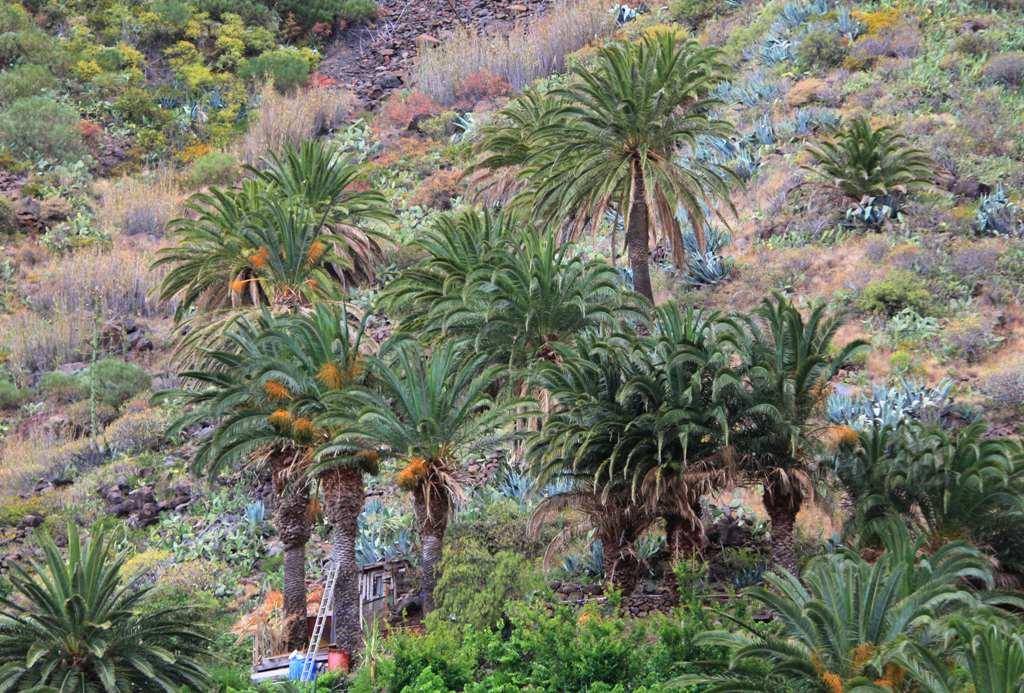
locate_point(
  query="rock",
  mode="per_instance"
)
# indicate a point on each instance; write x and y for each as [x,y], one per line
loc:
[30,520]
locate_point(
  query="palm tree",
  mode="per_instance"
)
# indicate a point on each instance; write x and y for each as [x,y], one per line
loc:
[243,390]
[316,355]
[862,161]
[679,448]
[959,483]
[580,450]
[611,141]
[513,292]
[848,624]
[989,655]
[788,362]
[286,236]
[431,411]
[71,624]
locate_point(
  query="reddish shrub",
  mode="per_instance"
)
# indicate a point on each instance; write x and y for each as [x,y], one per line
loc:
[439,189]
[404,110]
[89,130]
[320,80]
[479,86]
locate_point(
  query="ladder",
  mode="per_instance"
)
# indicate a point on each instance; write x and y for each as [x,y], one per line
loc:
[326,606]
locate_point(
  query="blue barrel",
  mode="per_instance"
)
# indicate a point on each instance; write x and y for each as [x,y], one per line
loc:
[295,666]
[311,676]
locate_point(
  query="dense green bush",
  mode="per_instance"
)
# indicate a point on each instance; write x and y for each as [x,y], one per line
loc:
[475,584]
[286,67]
[820,49]
[693,12]
[899,290]
[25,80]
[10,394]
[116,381]
[63,387]
[215,168]
[543,649]
[357,10]
[38,127]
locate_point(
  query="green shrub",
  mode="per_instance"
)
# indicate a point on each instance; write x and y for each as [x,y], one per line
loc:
[693,12]
[544,648]
[137,106]
[11,395]
[309,12]
[137,431]
[820,49]
[25,80]
[357,10]
[215,168]
[475,585]
[38,127]
[899,290]
[8,217]
[116,381]
[13,17]
[63,387]
[286,67]
[31,46]
[15,510]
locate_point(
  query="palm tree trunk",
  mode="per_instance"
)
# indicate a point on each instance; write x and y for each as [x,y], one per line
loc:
[682,540]
[621,565]
[292,523]
[432,506]
[344,495]
[782,507]
[638,236]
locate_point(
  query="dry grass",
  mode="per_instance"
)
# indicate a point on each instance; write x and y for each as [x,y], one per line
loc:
[520,56]
[290,119]
[34,343]
[120,281]
[139,205]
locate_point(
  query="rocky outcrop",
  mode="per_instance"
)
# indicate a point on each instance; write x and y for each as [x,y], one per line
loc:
[373,59]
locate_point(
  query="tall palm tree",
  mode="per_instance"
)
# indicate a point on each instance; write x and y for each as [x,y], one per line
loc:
[72,624]
[317,355]
[242,391]
[430,411]
[612,139]
[788,361]
[848,624]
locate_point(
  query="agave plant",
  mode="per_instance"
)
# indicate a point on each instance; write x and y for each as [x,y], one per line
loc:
[863,161]
[849,624]
[72,624]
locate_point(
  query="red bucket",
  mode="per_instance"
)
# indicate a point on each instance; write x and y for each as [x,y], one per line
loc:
[338,660]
